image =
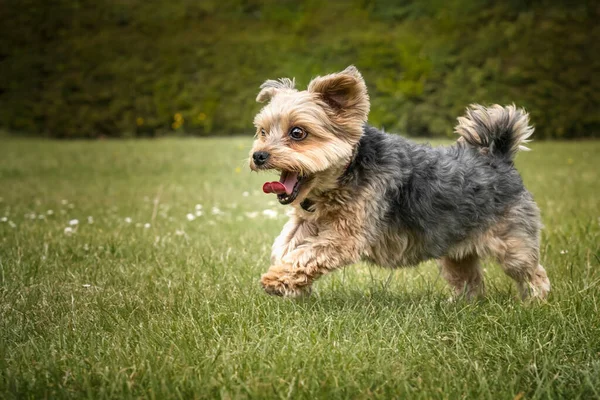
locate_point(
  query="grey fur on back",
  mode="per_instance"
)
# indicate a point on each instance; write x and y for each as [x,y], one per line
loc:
[444,195]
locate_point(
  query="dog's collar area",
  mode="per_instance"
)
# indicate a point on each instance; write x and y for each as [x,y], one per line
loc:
[307,205]
[348,165]
[354,153]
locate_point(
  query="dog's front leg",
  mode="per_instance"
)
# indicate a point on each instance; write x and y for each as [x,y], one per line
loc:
[293,234]
[318,255]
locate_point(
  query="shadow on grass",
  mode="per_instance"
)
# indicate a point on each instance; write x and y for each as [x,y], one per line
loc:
[407,301]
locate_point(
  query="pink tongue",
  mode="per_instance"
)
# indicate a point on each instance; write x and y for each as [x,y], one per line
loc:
[274,187]
[285,185]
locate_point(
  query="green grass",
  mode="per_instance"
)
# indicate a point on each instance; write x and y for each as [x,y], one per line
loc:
[118,310]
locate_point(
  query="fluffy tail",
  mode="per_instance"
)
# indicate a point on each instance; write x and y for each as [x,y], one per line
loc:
[500,131]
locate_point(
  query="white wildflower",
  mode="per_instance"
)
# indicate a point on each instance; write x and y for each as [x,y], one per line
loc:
[146,225]
[198,206]
[252,214]
[68,231]
[270,213]
[190,217]
[12,224]
[71,206]
[564,251]
[50,212]
[65,202]
[86,247]
[41,216]
[217,211]
[179,232]
[128,220]
[199,213]
[73,222]
[86,285]
[90,220]
[3,219]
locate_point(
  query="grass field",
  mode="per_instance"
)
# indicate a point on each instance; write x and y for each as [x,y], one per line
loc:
[153,291]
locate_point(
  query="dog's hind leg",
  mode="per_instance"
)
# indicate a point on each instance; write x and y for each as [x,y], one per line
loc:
[463,275]
[515,244]
[520,261]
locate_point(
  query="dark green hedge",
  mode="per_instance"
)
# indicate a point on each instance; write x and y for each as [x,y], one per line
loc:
[143,68]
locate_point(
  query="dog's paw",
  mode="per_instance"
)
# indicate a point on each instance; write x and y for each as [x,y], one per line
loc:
[284,281]
[538,287]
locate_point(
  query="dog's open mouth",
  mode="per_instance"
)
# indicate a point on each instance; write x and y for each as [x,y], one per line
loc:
[287,188]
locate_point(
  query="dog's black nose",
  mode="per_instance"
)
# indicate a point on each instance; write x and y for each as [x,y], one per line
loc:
[260,157]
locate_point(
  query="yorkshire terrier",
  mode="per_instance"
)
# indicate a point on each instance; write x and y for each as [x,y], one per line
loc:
[357,193]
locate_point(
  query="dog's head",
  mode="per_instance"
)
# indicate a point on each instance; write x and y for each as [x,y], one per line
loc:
[308,136]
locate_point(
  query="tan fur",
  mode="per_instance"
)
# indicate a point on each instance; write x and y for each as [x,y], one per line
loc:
[463,275]
[271,87]
[317,153]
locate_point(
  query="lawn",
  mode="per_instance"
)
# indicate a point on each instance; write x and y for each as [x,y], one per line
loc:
[131,268]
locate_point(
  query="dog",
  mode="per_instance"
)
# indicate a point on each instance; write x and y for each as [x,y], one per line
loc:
[357,193]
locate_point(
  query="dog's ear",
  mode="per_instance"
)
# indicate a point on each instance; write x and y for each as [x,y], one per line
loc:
[271,87]
[345,92]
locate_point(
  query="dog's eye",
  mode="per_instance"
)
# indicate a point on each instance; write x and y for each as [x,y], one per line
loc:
[263,133]
[297,133]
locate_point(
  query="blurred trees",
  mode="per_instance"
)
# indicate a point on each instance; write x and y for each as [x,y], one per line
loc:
[77,68]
